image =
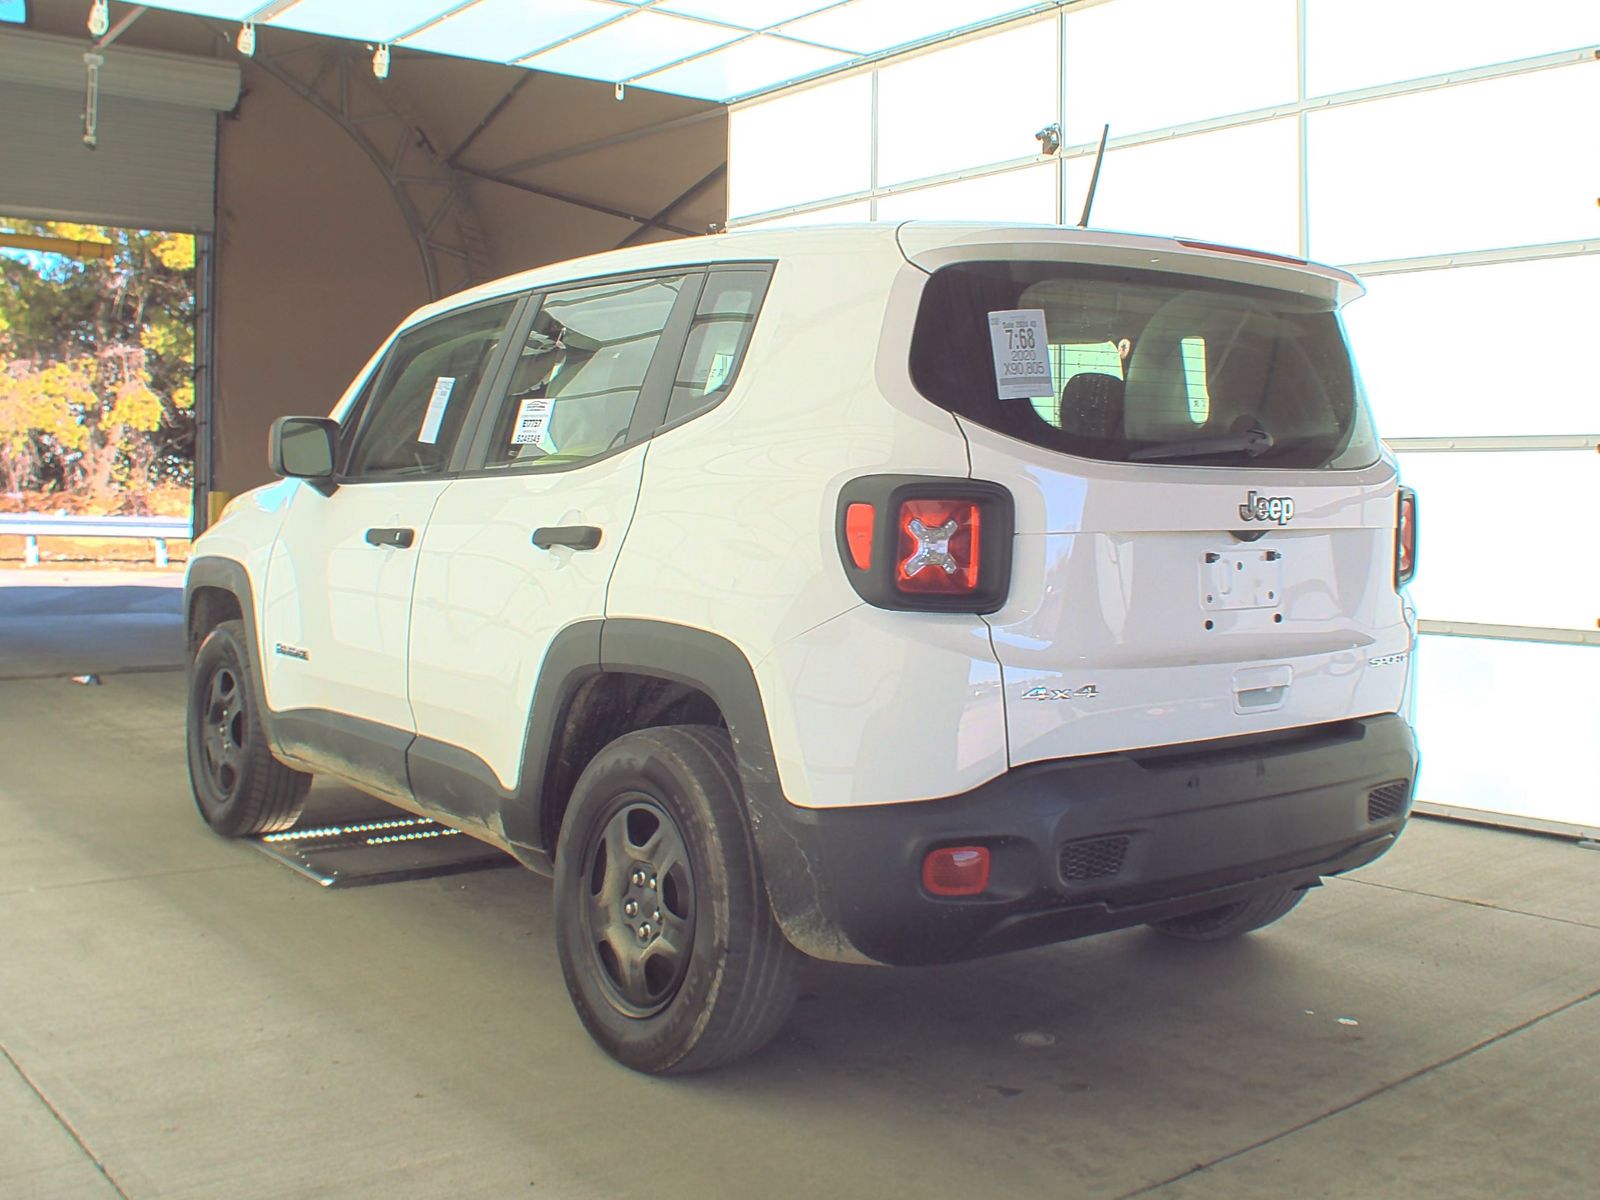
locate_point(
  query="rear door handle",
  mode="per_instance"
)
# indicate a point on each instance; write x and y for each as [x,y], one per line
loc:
[401,539]
[579,537]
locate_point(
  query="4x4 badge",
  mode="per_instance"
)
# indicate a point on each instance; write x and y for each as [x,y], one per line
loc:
[1087,692]
[1279,509]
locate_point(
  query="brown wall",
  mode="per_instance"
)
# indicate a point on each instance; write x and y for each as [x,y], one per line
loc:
[315,266]
[315,263]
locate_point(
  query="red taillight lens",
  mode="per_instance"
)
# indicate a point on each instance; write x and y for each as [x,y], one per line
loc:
[939,546]
[956,871]
[1405,538]
[859,522]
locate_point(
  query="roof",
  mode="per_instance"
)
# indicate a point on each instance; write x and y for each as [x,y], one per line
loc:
[927,243]
[719,50]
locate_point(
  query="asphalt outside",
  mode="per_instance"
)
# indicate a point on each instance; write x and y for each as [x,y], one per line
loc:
[180,1016]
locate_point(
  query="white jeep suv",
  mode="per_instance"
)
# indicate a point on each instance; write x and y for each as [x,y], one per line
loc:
[881,594]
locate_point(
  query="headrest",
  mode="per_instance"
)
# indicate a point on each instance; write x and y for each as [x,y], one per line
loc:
[1091,405]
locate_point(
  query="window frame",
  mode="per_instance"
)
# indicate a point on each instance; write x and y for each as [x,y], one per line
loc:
[655,393]
[358,419]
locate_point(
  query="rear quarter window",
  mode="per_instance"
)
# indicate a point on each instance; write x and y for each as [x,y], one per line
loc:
[1149,366]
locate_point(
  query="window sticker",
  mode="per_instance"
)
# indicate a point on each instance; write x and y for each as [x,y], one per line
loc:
[721,364]
[1021,354]
[437,403]
[532,418]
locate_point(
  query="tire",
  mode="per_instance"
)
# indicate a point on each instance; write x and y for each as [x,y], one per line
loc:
[1231,920]
[240,789]
[667,943]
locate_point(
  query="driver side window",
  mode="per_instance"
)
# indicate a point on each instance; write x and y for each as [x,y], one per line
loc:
[421,394]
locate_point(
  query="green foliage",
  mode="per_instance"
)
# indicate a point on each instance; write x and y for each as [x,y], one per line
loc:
[97,363]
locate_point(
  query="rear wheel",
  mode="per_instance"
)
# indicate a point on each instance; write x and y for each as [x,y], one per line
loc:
[239,787]
[669,949]
[1231,920]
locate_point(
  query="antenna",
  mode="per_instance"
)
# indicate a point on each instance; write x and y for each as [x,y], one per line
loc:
[1094,180]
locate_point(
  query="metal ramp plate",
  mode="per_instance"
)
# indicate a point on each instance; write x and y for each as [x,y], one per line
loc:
[379,850]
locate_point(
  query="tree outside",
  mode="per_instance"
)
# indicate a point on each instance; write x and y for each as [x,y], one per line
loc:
[97,373]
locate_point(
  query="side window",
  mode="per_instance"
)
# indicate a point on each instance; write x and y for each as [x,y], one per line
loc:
[578,375]
[722,324]
[420,395]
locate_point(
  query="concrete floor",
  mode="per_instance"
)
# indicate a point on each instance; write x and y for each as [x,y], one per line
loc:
[182,1017]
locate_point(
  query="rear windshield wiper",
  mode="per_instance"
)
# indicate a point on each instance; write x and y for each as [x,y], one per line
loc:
[1253,441]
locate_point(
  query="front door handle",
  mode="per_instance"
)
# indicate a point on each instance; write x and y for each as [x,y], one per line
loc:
[401,539]
[579,537]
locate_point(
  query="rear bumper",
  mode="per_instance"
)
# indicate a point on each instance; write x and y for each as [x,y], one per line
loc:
[1082,846]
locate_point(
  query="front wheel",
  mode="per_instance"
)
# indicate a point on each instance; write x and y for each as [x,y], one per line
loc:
[239,787]
[1231,920]
[668,946]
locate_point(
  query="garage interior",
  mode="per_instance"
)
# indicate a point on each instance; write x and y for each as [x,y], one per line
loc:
[182,1017]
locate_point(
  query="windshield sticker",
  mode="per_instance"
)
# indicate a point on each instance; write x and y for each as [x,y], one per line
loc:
[1021,354]
[532,418]
[437,403]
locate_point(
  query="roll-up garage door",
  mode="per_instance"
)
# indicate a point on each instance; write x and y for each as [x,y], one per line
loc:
[154,164]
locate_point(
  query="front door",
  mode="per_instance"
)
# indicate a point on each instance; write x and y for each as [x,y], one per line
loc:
[337,607]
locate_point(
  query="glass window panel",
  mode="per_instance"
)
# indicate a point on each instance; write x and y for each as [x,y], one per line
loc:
[867,26]
[1472,167]
[752,14]
[976,102]
[1481,351]
[1027,196]
[773,160]
[1342,54]
[1509,727]
[13,12]
[723,320]
[1507,538]
[1237,186]
[856,210]
[503,30]
[378,22]
[578,377]
[230,9]
[744,67]
[423,392]
[640,42]
[1146,64]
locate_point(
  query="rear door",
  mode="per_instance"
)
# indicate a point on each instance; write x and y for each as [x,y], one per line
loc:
[1205,520]
[522,546]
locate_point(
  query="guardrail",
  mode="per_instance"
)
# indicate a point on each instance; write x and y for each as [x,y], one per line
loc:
[33,526]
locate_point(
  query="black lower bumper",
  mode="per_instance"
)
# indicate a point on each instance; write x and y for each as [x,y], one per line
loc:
[1082,846]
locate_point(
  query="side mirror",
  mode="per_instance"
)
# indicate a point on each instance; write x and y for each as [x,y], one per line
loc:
[305,448]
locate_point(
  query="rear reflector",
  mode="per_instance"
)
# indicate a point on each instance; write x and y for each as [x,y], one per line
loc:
[859,521]
[956,871]
[1405,538]
[939,546]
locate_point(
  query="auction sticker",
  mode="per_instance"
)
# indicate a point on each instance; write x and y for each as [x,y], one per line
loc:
[1021,353]
[532,417]
[437,403]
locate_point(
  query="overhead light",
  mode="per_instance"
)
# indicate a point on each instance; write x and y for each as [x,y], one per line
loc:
[380,61]
[247,39]
[621,90]
[99,17]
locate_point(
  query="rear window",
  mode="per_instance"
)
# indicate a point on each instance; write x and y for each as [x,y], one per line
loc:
[1142,366]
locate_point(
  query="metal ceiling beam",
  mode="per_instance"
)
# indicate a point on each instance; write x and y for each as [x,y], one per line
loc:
[615,139]
[658,221]
[565,198]
[489,117]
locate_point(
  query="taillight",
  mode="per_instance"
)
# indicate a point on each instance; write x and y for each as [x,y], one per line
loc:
[859,520]
[1405,538]
[933,544]
[940,546]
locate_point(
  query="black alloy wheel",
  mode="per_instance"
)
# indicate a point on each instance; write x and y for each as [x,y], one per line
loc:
[640,914]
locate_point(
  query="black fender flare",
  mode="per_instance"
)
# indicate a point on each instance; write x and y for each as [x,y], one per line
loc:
[229,575]
[717,667]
